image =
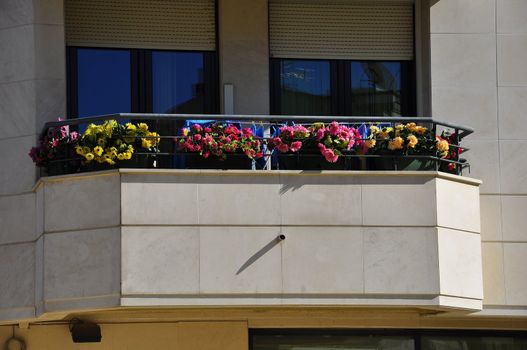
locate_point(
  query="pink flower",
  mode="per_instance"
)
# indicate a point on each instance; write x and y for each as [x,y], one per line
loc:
[74,136]
[320,134]
[197,137]
[330,156]
[283,147]
[247,131]
[197,128]
[277,141]
[295,146]
[328,153]
[206,154]
[334,128]
[208,130]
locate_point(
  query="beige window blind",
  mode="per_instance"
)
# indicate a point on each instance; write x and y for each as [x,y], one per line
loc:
[153,24]
[341,29]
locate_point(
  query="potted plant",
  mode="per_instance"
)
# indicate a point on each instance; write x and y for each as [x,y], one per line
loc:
[318,147]
[448,149]
[402,147]
[219,146]
[55,151]
[114,144]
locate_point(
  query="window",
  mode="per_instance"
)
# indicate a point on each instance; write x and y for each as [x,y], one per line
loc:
[387,340]
[342,87]
[104,81]
[304,87]
[342,57]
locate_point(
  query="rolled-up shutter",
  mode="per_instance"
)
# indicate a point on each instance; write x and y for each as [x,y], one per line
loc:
[154,24]
[341,29]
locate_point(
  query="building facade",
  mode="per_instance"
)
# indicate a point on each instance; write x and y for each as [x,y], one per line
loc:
[266,259]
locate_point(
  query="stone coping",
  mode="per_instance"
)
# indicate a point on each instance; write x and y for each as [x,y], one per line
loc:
[176,172]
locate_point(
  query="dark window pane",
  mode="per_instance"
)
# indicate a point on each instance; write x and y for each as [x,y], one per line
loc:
[103,82]
[331,342]
[305,87]
[376,88]
[473,343]
[178,83]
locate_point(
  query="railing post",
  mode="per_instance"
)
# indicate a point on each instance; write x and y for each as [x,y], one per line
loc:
[267,154]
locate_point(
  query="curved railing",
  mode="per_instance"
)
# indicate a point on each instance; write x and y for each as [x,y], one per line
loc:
[166,138]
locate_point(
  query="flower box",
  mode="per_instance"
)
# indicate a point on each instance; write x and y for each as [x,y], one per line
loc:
[234,161]
[404,164]
[315,161]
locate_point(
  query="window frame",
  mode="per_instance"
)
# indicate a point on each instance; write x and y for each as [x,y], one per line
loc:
[141,91]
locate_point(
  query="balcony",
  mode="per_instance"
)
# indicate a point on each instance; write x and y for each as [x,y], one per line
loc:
[173,237]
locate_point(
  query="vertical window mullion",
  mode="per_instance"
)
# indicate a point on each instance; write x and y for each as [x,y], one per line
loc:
[274,85]
[211,94]
[135,81]
[147,87]
[335,87]
[72,83]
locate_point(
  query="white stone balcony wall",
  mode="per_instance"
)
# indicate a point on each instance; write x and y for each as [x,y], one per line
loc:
[189,237]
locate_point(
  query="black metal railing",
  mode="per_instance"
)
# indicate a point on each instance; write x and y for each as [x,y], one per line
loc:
[169,155]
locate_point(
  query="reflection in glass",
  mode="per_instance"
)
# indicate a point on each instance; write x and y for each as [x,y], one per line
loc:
[104,85]
[331,342]
[473,343]
[305,87]
[376,88]
[178,84]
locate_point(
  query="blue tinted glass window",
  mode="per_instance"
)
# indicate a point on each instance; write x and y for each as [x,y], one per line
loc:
[376,88]
[104,83]
[178,83]
[305,87]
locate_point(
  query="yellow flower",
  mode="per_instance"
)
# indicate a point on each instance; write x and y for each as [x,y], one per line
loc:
[146,143]
[86,149]
[143,127]
[79,150]
[128,155]
[155,138]
[101,142]
[411,126]
[98,150]
[396,143]
[420,130]
[89,156]
[121,156]
[185,131]
[130,148]
[370,143]
[373,129]
[109,161]
[399,127]
[412,141]
[130,127]
[442,146]
[383,135]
